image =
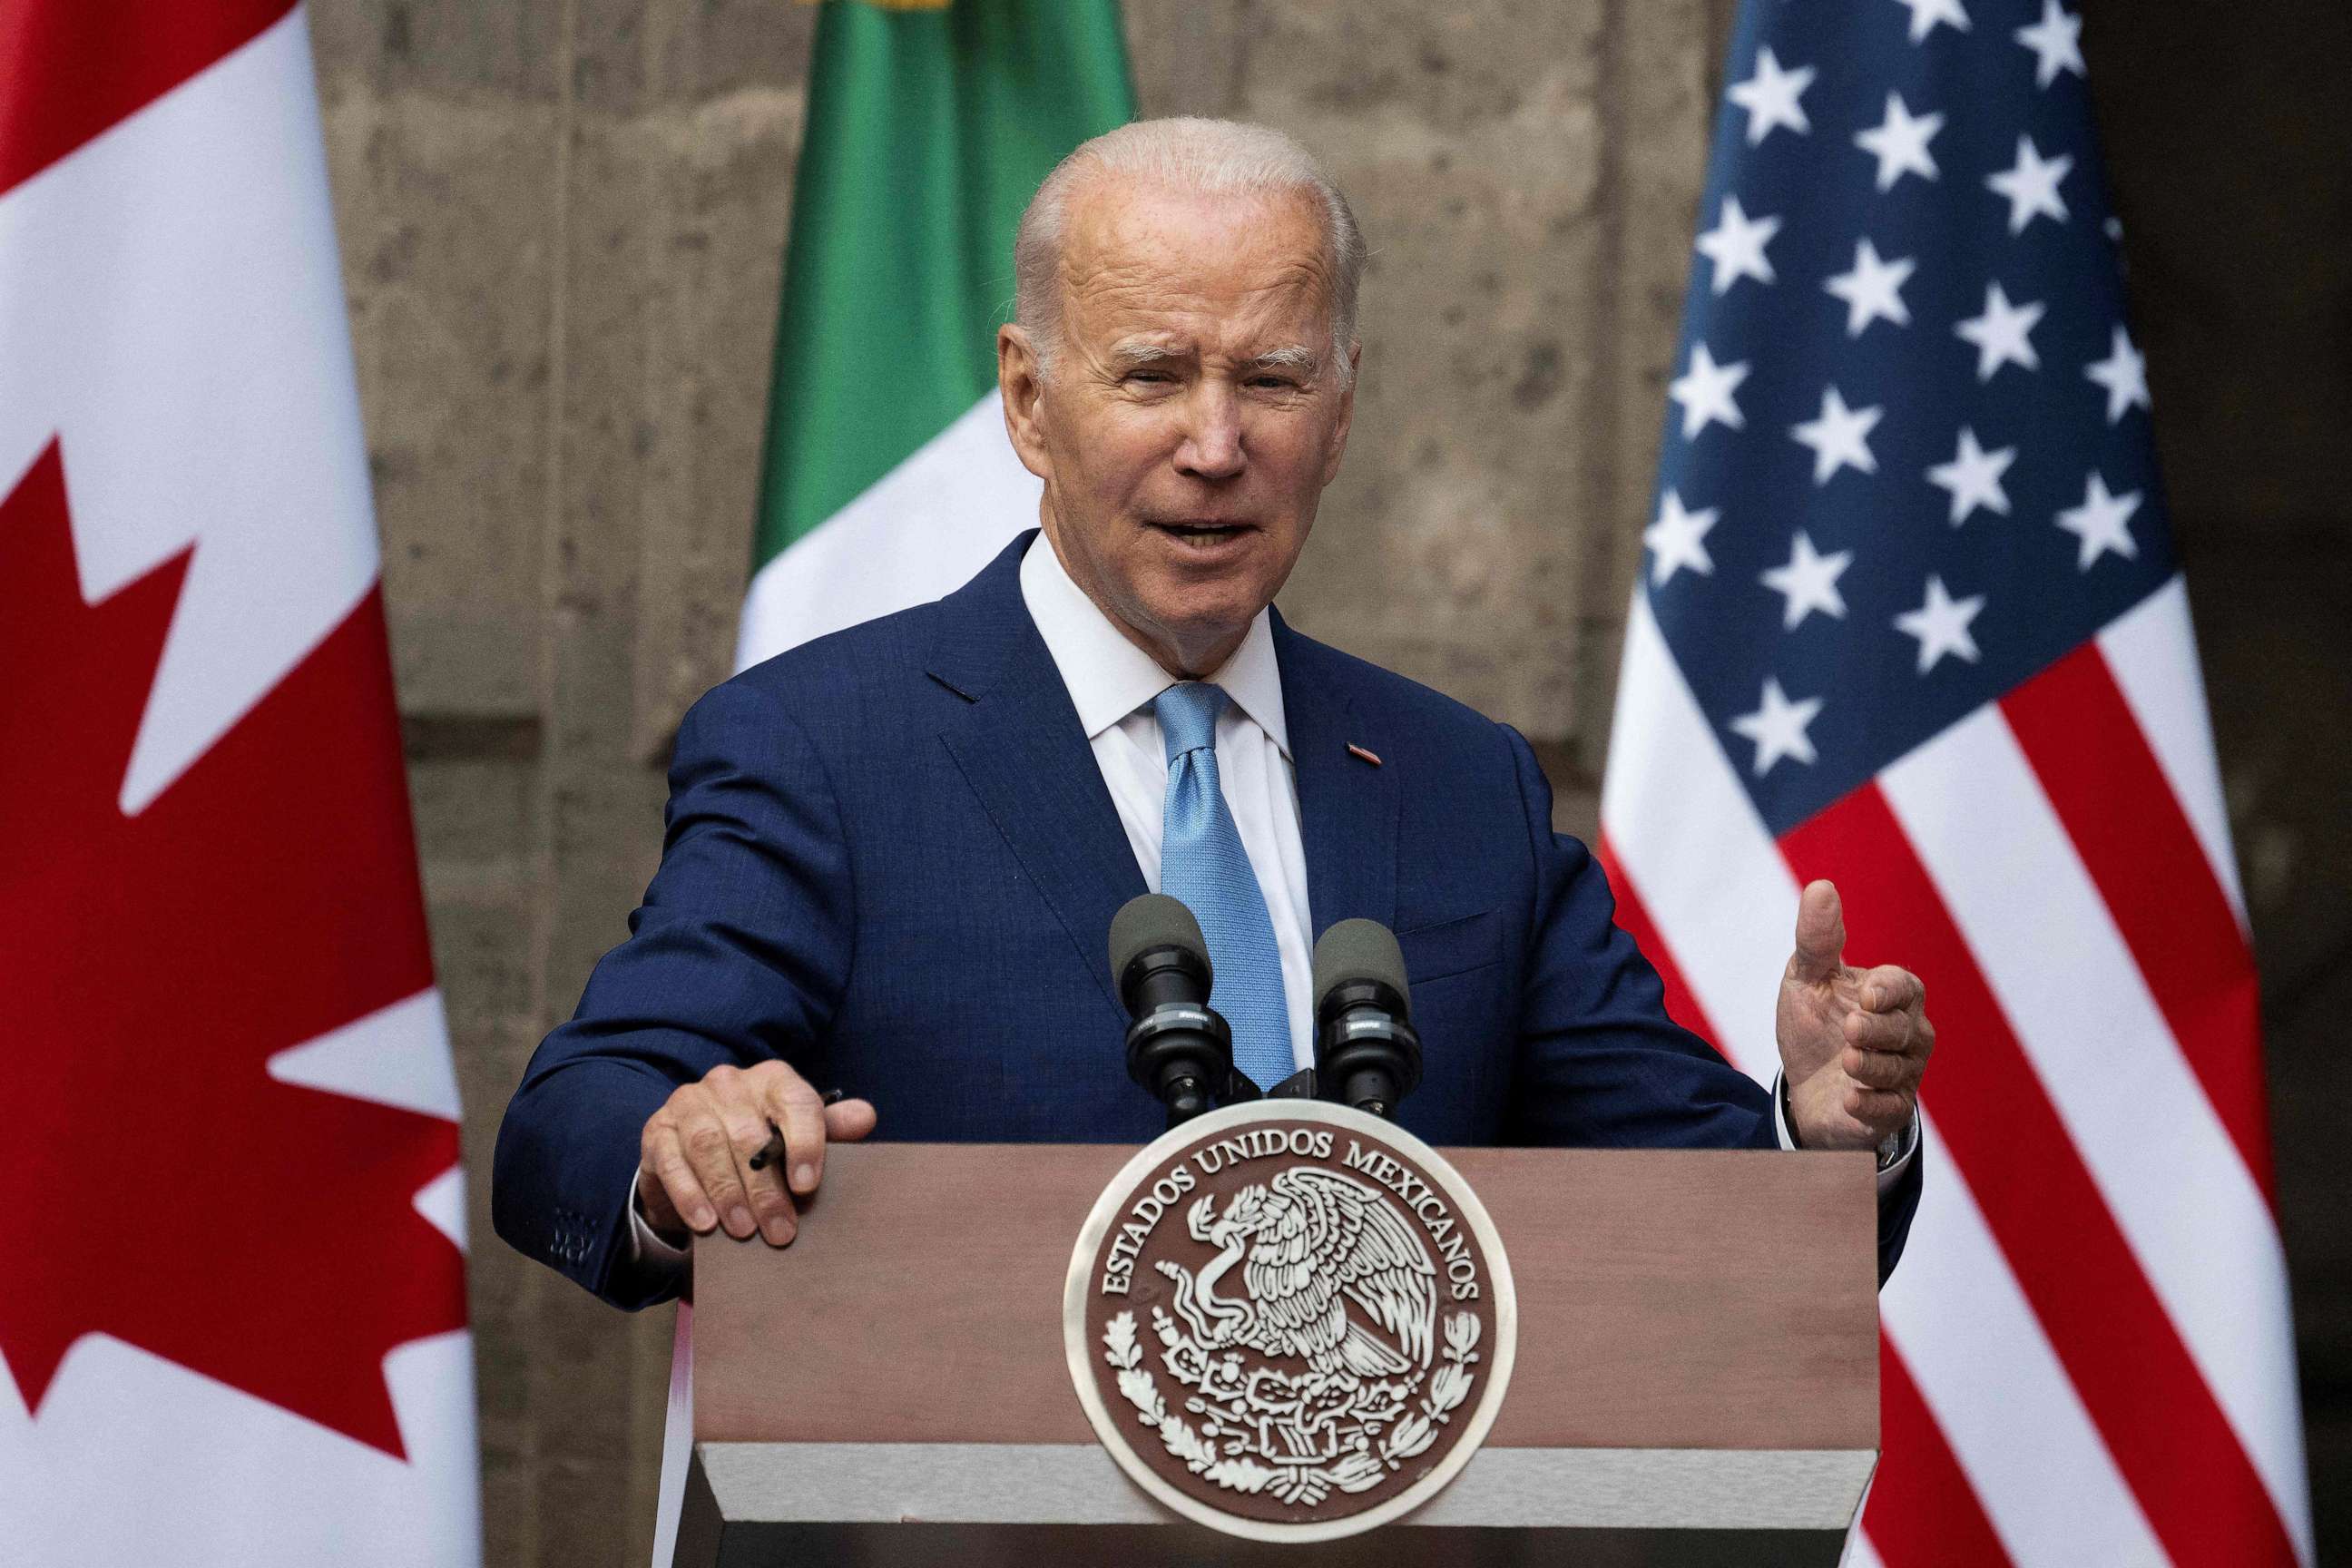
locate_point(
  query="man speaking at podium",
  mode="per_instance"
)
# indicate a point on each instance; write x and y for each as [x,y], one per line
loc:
[893,853]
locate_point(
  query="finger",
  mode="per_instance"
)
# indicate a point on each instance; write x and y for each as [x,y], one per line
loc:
[1880,1031]
[710,1149]
[849,1120]
[799,1111]
[1879,1069]
[665,1156]
[1821,933]
[736,1097]
[1890,989]
[748,1133]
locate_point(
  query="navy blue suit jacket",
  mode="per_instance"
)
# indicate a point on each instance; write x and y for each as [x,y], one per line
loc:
[891,861]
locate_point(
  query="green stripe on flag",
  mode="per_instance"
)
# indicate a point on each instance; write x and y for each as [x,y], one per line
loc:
[928,130]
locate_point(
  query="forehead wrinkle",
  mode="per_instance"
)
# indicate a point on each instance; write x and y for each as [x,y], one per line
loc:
[1137,251]
[1168,316]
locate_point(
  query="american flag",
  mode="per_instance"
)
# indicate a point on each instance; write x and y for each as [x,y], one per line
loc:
[1909,618]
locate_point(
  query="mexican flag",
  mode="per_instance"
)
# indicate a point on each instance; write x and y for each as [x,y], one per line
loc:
[888,479]
[232,1277]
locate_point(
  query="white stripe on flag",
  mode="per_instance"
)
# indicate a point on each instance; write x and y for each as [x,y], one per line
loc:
[2013,1419]
[2152,649]
[2049,950]
[918,533]
[1689,838]
[1720,893]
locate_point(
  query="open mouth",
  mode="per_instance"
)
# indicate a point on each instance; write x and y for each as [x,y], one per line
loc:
[1203,532]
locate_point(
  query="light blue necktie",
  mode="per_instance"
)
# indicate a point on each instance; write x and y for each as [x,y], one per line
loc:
[1202,862]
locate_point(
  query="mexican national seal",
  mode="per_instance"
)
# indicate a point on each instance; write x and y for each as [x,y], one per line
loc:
[1289,1320]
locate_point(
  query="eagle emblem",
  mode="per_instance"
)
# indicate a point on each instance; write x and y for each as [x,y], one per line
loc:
[1332,1275]
[1289,1320]
[1324,1373]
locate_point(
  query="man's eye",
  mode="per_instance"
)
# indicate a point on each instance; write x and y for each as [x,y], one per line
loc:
[1150,377]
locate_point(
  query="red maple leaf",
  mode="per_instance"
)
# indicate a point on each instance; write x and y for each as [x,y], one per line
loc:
[155,1182]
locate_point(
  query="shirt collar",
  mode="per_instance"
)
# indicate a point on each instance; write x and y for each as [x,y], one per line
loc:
[1110,678]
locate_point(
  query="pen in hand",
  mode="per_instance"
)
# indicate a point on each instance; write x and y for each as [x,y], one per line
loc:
[772,1153]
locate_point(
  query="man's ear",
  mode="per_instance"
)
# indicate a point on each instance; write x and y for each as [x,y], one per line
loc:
[1022,381]
[1339,446]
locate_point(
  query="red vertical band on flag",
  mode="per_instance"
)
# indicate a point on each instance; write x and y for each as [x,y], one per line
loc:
[2144,1392]
[2111,795]
[69,69]
[1923,1513]
[1634,921]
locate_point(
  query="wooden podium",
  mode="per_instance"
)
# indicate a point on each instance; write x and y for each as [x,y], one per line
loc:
[1696,1378]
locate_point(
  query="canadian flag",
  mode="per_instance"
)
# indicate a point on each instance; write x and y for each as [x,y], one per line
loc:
[232,1277]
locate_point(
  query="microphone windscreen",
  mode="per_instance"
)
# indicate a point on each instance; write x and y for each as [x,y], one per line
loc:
[1153,920]
[1355,950]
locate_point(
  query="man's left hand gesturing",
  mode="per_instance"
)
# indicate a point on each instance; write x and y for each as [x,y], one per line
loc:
[1853,1042]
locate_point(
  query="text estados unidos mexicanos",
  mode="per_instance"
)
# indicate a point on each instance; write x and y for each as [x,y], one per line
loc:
[1301,1143]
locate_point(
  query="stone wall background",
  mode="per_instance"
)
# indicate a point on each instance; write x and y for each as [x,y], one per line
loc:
[562,225]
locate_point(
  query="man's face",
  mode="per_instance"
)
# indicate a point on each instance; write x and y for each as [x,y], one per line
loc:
[1193,413]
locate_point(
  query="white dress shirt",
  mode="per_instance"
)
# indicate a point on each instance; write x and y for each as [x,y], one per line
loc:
[1112,683]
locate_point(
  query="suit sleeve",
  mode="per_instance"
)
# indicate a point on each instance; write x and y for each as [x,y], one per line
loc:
[1599,1062]
[739,954]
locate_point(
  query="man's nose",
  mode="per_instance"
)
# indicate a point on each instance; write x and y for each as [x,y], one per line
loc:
[1212,447]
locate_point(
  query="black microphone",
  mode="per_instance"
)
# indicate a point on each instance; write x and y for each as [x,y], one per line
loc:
[1366,1052]
[1177,1047]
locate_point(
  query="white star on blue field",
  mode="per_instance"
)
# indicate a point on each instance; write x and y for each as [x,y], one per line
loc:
[1906,461]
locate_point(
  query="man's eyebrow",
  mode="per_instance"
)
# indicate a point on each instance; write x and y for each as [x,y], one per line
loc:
[1137,352]
[1289,357]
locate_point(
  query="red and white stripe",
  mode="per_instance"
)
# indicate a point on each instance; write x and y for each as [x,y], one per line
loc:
[2087,1353]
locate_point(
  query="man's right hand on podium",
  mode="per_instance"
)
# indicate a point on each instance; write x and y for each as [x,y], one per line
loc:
[694,1163]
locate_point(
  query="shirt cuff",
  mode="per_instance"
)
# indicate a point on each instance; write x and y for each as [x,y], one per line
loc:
[1895,1155]
[649,1254]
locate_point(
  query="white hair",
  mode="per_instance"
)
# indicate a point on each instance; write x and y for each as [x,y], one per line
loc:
[1213,157]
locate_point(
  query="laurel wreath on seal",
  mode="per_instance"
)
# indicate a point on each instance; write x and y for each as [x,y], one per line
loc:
[1386,1449]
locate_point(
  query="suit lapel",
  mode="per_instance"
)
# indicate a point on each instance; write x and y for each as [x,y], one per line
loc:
[1348,807]
[1019,746]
